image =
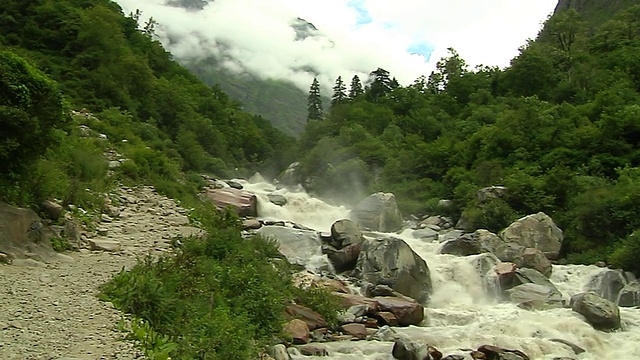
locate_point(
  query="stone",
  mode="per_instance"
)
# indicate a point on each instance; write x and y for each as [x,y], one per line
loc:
[534,259]
[5,259]
[23,234]
[463,246]
[630,295]
[349,300]
[378,212]
[434,353]
[358,331]
[251,224]
[313,350]
[101,231]
[310,317]
[535,231]
[487,194]
[279,352]
[344,259]
[105,245]
[390,261]
[498,353]
[385,333]
[242,202]
[52,209]
[426,233]
[297,245]
[483,263]
[298,331]
[387,318]
[575,348]
[535,296]
[105,218]
[405,349]
[607,284]
[277,199]
[234,184]
[344,233]
[601,313]
[454,357]
[406,312]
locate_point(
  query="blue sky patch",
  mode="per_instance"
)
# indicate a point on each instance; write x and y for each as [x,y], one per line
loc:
[363,14]
[422,49]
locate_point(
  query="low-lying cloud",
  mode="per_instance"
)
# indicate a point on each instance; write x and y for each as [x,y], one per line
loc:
[405,37]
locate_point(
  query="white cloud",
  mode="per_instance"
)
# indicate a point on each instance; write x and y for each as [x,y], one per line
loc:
[355,37]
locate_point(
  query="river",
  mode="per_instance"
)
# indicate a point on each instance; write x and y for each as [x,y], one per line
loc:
[460,314]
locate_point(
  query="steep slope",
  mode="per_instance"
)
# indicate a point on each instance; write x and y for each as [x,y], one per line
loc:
[595,12]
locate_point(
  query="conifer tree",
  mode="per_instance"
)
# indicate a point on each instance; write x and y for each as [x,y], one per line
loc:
[356,88]
[314,102]
[381,85]
[339,92]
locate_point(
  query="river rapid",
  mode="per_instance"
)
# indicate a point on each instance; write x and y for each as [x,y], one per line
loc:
[461,315]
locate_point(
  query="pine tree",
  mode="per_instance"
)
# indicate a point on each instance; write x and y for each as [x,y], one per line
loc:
[356,88]
[339,92]
[314,102]
[381,85]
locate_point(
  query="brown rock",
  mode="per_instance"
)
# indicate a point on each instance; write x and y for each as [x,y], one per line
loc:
[242,202]
[312,350]
[493,352]
[407,312]
[349,300]
[387,318]
[358,331]
[477,355]
[434,353]
[298,331]
[52,209]
[251,224]
[310,317]
[345,258]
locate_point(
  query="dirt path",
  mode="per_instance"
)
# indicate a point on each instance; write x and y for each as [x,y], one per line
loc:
[50,311]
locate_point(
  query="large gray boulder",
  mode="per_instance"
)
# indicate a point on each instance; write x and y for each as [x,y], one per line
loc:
[535,296]
[23,235]
[536,231]
[601,313]
[534,259]
[378,212]
[242,202]
[345,232]
[630,295]
[390,261]
[487,194]
[297,245]
[607,284]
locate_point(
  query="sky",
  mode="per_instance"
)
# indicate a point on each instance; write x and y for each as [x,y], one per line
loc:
[353,37]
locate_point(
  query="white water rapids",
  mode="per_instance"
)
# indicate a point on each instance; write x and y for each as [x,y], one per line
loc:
[460,316]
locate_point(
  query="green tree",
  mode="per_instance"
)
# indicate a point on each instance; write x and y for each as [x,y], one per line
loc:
[356,88]
[314,102]
[381,85]
[339,92]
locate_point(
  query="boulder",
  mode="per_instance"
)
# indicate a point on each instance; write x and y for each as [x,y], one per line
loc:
[405,349]
[313,350]
[536,231]
[426,233]
[23,235]
[503,277]
[297,245]
[279,352]
[463,246]
[575,348]
[498,353]
[534,259]
[406,312]
[344,259]
[607,284]
[298,331]
[242,202]
[487,194]
[358,331]
[277,199]
[390,261]
[535,296]
[378,212]
[630,295]
[344,233]
[51,209]
[350,300]
[601,313]
[387,318]
[310,317]
[234,184]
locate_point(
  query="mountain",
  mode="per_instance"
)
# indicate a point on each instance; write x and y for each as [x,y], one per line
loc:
[595,12]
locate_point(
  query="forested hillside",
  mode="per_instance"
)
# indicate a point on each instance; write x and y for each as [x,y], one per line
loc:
[560,128]
[59,56]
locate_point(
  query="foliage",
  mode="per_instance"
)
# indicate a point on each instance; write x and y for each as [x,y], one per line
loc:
[219,297]
[314,102]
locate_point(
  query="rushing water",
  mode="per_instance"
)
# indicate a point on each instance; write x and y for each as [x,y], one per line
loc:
[460,315]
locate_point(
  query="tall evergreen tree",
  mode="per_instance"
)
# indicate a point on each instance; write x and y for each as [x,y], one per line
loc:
[339,92]
[381,85]
[356,88]
[314,102]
